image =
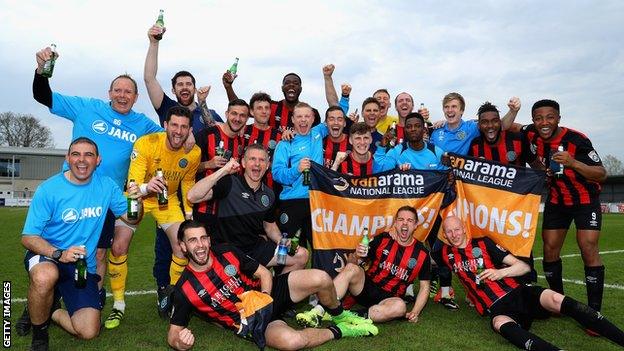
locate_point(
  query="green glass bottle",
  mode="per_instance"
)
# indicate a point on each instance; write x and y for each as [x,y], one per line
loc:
[478,255]
[294,243]
[80,272]
[161,23]
[163,197]
[234,68]
[306,177]
[133,205]
[48,66]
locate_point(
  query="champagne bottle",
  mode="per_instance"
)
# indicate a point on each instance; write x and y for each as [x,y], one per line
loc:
[48,66]
[133,205]
[163,197]
[80,272]
[160,22]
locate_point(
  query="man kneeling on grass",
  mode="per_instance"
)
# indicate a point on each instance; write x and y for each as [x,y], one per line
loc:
[231,289]
[498,292]
[395,262]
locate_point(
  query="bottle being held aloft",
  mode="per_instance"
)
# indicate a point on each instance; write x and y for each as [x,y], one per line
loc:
[163,197]
[294,243]
[160,22]
[80,272]
[234,68]
[393,132]
[48,66]
[282,250]
[133,204]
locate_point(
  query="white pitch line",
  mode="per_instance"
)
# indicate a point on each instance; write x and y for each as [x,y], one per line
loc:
[129,293]
[578,254]
[579,282]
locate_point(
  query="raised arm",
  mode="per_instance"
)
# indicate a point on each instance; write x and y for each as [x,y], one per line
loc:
[41,86]
[330,91]
[154,90]
[228,80]
[507,122]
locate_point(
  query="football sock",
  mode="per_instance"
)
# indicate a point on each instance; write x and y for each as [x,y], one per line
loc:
[553,273]
[176,268]
[118,272]
[594,283]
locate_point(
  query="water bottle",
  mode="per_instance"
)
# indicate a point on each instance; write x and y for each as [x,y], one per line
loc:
[282,250]
[560,171]
[80,272]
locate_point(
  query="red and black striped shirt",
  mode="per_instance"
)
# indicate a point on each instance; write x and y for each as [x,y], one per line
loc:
[281,116]
[464,263]
[510,148]
[330,149]
[394,267]
[352,167]
[214,292]
[269,139]
[571,188]
[208,141]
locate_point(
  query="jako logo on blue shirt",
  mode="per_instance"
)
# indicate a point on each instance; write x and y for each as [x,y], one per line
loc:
[71,215]
[101,127]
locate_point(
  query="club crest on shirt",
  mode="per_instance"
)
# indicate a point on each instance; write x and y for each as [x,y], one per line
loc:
[594,156]
[230,270]
[511,156]
[411,263]
[272,144]
[265,200]
[461,135]
[283,218]
[183,163]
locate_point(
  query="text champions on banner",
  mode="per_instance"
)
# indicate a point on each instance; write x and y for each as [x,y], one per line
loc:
[342,206]
[498,201]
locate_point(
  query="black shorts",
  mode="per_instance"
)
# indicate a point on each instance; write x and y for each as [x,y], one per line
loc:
[281,296]
[263,251]
[295,215]
[371,294]
[586,217]
[522,305]
[108,231]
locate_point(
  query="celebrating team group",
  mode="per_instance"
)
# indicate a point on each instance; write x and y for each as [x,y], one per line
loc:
[225,194]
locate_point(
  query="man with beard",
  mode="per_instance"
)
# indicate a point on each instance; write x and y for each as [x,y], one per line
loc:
[156,152]
[511,305]
[385,120]
[246,213]
[574,195]
[360,161]
[415,153]
[502,146]
[220,280]
[281,111]
[215,143]
[260,132]
[113,125]
[395,262]
[64,222]
[336,141]
[292,159]
[183,87]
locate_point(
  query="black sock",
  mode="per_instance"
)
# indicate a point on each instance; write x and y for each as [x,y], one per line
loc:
[524,339]
[336,331]
[446,276]
[594,283]
[592,320]
[102,293]
[40,331]
[334,311]
[554,276]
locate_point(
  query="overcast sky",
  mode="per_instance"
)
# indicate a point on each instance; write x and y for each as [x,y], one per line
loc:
[570,51]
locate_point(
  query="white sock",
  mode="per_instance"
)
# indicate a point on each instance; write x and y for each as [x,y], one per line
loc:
[119,305]
[446,291]
[313,300]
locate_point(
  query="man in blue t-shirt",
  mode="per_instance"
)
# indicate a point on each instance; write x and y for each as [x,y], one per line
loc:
[63,224]
[113,125]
